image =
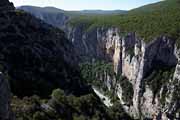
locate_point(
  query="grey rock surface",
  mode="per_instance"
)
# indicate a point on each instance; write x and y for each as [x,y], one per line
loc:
[134,59]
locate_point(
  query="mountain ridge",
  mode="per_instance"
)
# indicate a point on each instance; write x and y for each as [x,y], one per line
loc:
[80,12]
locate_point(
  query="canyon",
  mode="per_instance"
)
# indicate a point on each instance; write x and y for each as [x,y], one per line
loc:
[148,71]
[135,59]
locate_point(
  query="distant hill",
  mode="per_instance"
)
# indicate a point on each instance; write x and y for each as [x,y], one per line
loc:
[58,17]
[81,12]
[102,12]
[161,18]
[50,15]
[41,9]
[162,5]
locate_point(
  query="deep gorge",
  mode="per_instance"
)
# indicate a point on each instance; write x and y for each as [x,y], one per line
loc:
[55,68]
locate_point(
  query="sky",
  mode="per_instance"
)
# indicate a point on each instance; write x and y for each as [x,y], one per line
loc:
[86,4]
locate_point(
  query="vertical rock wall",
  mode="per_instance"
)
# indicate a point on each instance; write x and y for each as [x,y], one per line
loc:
[132,58]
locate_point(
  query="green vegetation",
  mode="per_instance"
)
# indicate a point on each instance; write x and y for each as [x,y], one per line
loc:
[26,108]
[78,108]
[130,51]
[65,107]
[31,54]
[96,73]
[160,78]
[148,22]
[127,89]
[19,12]
[176,94]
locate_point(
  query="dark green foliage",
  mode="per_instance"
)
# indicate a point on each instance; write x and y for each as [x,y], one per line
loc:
[127,89]
[160,78]
[63,107]
[36,56]
[160,19]
[176,95]
[117,112]
[130,51]
[95,73]
[27,108]
[89,107]
[39,116]
[153,7]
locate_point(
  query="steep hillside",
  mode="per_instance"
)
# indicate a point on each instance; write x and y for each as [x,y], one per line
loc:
[36,56]
[59,18]
[52,16]
[163,5]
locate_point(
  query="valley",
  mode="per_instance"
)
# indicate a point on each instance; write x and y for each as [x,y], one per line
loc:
[90,65]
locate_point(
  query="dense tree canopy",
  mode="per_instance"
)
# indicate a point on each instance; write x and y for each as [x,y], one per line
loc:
[148,22]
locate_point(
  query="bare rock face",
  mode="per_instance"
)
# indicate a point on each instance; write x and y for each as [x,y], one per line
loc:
[5,112]
[134,59]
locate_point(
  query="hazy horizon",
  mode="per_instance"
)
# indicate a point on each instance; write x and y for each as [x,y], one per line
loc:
[85,4]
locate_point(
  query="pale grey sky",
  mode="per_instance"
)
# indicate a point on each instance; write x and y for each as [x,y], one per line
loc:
[86,4]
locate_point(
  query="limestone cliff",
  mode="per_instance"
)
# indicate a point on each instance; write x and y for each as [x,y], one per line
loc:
[136,60]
